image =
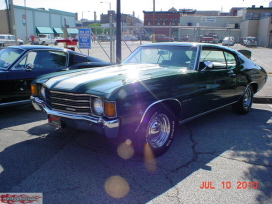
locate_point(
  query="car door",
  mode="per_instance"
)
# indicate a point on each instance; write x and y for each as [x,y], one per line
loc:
[33,64]
[216,84]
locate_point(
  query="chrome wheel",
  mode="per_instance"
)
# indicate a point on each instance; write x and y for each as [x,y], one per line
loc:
[158,130]
[247,98]
[244,104]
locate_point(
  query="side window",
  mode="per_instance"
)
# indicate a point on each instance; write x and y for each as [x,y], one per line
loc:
[215,56]
[43,59]
[231,61]
[151,56]
[28,59]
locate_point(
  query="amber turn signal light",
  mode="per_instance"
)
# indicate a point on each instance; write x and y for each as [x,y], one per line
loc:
[33,89]
[109,109]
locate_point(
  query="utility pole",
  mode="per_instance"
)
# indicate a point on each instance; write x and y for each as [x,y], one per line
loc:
[26,41]
[153,12]
[118,33]
[8,16]
[12,20]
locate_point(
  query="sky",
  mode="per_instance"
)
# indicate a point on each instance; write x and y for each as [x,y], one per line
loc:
[87,7]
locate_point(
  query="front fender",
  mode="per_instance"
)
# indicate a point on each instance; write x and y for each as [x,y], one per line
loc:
[170,104]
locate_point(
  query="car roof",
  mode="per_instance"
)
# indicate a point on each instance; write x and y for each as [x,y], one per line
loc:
[31,47]
[190,44]
[41,47]
[178,44]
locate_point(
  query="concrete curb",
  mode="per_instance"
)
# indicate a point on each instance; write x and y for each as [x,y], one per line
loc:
[262,100]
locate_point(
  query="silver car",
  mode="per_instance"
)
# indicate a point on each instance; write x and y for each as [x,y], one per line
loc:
[229,41]
[250,41]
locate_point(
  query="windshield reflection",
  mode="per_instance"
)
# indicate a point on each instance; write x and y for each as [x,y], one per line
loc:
[8,56]
[164,56]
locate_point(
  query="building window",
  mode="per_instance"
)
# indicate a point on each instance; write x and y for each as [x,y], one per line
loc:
[173,22]
[265,14]
[148,21]
[163,21]
[158,21]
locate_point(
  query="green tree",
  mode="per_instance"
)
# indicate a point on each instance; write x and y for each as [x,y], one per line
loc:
[96,28]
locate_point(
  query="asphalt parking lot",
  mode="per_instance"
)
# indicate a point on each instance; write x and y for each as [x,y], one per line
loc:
[221,157]
[230,153]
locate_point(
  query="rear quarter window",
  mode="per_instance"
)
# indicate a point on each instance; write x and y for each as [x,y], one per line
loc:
[75,59]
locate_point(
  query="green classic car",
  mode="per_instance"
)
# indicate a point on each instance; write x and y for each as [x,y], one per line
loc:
[157,87]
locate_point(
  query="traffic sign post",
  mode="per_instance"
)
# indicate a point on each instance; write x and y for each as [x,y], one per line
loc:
[84,38]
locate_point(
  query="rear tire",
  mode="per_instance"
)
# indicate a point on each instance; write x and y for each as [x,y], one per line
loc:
[243,106]
[157,132]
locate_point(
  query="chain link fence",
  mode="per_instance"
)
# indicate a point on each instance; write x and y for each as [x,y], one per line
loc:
[104,45]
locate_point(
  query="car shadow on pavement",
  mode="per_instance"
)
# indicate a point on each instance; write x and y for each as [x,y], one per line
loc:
[19,115]
[69,165]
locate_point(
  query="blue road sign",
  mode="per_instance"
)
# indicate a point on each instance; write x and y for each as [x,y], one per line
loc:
[84,38]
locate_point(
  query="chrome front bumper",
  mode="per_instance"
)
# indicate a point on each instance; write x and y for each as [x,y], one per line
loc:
[109,128]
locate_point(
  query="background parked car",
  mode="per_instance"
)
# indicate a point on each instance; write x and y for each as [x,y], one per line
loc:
[209,38]
[144,37]
[250,41]
[129,38]
[159,86]
[102,38]
[162,38]
[19,65]
[9,40]
[228,41]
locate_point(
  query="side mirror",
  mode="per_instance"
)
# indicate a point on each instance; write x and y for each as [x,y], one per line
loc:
[246,53]
[208,64]
[30,66]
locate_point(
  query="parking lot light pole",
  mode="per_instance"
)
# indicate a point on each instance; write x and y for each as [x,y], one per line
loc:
[82,17]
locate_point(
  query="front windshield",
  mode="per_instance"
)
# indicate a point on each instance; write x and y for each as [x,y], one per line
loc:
[8,56]
[164,56]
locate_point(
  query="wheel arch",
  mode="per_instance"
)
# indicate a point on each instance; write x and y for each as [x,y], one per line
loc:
[171,104]
[255,86]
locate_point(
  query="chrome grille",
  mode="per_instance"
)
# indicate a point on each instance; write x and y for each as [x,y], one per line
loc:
[68,102]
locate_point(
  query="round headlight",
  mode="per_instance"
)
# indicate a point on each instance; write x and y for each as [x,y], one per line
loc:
[98,106]
[42,92]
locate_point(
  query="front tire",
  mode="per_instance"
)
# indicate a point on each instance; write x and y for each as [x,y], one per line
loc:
[243,106]
[157,131]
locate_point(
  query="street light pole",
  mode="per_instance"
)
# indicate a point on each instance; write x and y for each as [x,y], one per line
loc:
[82,17]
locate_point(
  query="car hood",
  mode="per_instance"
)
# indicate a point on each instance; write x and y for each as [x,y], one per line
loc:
[107,79]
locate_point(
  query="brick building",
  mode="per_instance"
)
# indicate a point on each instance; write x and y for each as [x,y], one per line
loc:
[165,18]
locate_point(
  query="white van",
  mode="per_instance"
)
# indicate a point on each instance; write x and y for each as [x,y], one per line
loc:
[9,40]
